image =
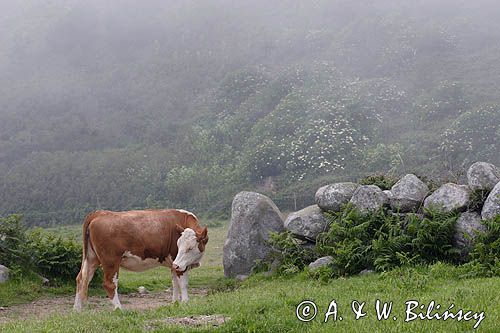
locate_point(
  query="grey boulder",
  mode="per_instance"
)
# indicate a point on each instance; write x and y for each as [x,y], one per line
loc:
[368,198]
[388,193]
[449,197]
[332,197]
[466,229]
[253,217]
[307,223]
[321,262]
[408,194]
[491,206]
[483,176]
[4,273]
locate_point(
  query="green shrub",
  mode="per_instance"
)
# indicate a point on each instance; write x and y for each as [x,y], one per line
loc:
[433,237]
[323,274]
[14,251]
[391,244]
[349,240]
[415,240]
[380,240]
[290,253]
[477,199]
[385,182]
[484,258]
[54,257]
[38,252]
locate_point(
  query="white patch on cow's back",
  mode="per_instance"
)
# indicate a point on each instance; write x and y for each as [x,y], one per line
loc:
[135,263]
[186,212]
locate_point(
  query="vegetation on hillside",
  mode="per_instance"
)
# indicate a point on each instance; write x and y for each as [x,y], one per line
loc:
[183,104]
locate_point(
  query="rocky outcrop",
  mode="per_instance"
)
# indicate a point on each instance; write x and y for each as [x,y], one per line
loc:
[368,198]
[483,176]
[449,197]
[321,262]
[408,194]
[253,217]
[307,223]
[332,197]
[467,227]
[491,206]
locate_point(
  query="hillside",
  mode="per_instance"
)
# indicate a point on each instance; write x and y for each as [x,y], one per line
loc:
[184,104]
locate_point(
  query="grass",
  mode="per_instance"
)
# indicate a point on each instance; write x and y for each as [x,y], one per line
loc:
[263,304]
[267,304]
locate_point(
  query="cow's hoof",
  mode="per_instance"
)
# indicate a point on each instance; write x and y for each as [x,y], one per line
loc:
[78,304]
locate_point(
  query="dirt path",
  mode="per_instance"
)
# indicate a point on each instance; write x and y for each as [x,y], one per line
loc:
[45,307]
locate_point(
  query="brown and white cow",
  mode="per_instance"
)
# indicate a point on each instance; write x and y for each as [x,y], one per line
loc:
[139,240]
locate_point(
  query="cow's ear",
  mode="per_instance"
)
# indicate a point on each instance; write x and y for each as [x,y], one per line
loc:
[179,229]
[201,236]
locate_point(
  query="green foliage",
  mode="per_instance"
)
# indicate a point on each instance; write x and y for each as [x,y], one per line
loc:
[349,239]
[477,199]
[433,237]
[485,255]
[54,257]
[380,240]
[290,253]
[38,252]
[14,248]
[385,182]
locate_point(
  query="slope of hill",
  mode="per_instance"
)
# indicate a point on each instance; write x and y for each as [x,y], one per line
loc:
[121,106]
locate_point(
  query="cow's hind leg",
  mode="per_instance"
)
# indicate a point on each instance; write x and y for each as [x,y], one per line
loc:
[111,283]
[89,265]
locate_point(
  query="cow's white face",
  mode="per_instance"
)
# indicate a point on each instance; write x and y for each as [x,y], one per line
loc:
[191,247]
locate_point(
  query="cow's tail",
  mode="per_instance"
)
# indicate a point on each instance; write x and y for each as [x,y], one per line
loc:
[86,239]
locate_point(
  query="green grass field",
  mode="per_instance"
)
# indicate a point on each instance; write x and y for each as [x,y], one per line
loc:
[266,304]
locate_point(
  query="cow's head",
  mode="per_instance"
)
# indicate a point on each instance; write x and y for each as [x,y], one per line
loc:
[191,247]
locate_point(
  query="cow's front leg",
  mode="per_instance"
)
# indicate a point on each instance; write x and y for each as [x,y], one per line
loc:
[183,282]
[175,287]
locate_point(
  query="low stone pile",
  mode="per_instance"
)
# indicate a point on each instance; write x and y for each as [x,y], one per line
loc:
[255,215]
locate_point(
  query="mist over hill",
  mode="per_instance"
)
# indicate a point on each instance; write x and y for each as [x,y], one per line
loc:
[125,104]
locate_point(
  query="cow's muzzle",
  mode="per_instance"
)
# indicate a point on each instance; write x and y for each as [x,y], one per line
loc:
[177,268]
[179,272]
